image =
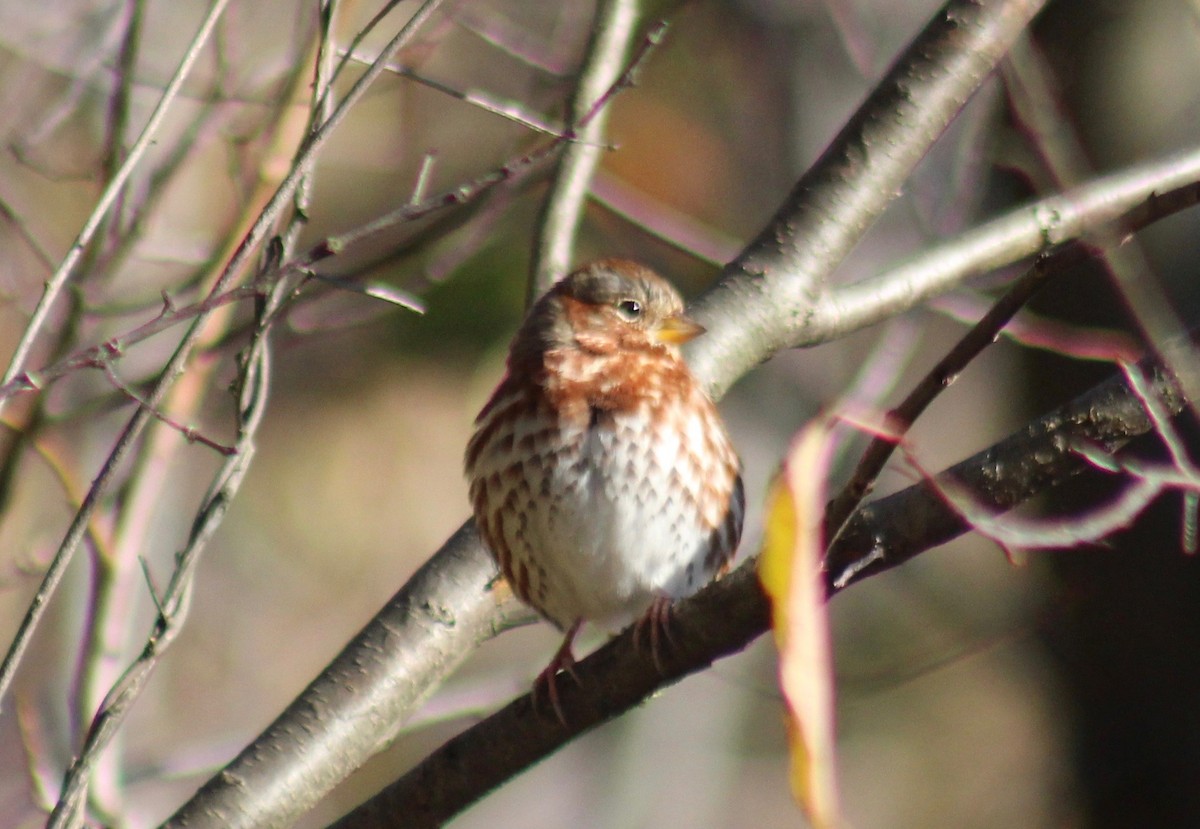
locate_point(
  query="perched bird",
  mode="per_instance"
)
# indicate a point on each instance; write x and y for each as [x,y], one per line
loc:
[601,475]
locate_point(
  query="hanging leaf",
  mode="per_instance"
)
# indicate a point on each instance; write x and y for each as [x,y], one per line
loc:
[789,567]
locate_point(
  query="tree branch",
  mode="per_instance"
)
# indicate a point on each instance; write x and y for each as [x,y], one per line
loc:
[562,210]
[177,363]
[770,293]
[108,198]
[1006,240]
[444,611]
[900,419]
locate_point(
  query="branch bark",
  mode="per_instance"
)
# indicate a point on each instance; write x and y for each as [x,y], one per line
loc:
[770,293]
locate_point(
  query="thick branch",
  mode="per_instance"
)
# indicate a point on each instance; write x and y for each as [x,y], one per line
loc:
[772,289]
[1003,241]
[444,611]
[890,531]
[718,621]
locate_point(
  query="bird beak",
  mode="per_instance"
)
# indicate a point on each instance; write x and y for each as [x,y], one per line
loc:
[678,329]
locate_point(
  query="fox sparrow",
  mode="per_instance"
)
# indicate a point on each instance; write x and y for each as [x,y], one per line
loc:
[602,478]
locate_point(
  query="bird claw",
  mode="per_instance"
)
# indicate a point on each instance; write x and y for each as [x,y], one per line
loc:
[658,618]
[549,679]
[563,660]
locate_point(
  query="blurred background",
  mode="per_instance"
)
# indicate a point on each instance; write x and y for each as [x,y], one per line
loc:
[1054,690]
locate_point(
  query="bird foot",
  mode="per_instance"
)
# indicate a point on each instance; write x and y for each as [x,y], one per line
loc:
[658,619]
[563,660]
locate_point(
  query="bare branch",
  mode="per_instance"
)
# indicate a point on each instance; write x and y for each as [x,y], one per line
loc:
[898,421]
[189,434]
[562,210]
[511,170]
[253,384]
[1000,478]
[1003,241]
[173,605]
[107,199]
[771,294]
[444,611]
[508,110]
[1030,78]
[718,621]
[177,363]
[670,224]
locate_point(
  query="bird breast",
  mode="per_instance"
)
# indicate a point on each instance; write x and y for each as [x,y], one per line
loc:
[599,498]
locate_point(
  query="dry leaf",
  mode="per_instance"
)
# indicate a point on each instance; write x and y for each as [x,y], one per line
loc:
[790,570]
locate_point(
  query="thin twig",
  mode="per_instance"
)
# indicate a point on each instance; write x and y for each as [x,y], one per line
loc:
[881,371]
[1160,415]
[513,169]
[321,108]
[1175,446]
[189,434]
[177,363]
[897,422]
[1014,532]
[176,599]
[563,208]
[125,441]
[117,121]
[350,51]
[900,419]
[1030,79]
[168,317]
[108,198]
[253,384]
[508,110]
[1034,330]
[676,227]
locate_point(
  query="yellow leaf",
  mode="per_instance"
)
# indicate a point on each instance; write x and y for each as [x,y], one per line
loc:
[789,567]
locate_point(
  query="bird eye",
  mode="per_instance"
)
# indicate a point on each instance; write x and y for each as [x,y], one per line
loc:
[630,309]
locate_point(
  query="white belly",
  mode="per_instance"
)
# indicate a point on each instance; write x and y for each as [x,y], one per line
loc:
[596,520]
[611,532]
